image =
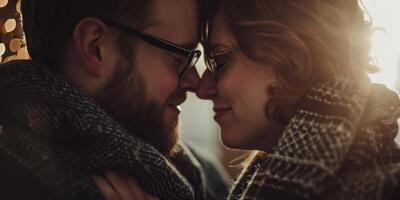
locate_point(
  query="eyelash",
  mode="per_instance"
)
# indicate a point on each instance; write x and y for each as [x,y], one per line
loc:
[221,66]
[223,62]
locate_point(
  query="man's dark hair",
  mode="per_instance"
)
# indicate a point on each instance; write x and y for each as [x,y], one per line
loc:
[49,24]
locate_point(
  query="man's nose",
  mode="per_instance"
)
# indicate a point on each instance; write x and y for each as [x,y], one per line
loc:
[207,88]
[190,80]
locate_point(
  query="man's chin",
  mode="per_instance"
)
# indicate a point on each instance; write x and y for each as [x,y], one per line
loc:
[124,98]
[173,141]
[171,115]
[171,124]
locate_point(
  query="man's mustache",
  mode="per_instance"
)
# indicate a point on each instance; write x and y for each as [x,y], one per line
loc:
[177,98]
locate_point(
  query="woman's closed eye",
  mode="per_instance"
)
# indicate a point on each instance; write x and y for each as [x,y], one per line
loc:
[224,57]
[221,65]
[223,61]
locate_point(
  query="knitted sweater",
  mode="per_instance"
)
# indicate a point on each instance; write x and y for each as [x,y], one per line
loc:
[58,136]
[339,145]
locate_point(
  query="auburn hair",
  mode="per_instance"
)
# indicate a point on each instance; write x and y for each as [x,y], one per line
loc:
[304,41]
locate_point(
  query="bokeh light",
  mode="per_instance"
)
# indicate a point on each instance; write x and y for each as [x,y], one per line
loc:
[2,49]
[15,44]
[3,3]
[18,7]
[12,44]
[22,53]
[10,25]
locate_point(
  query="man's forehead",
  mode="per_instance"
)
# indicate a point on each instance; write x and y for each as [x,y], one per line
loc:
[173,7]
[175,20]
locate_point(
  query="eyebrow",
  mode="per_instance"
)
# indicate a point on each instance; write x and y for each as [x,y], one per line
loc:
[218,46]
[187,45]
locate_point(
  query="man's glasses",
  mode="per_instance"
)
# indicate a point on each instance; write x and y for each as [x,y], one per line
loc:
[190,57]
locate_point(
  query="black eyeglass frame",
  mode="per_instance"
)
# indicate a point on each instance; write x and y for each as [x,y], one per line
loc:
[192,55]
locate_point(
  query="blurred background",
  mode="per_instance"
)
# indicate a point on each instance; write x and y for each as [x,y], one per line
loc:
[197,124]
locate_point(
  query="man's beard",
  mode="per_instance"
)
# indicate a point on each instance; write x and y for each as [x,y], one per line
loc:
[124,98]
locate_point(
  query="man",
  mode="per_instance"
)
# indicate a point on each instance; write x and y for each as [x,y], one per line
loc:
[101,94]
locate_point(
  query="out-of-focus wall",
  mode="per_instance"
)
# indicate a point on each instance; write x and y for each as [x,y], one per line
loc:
[386,42]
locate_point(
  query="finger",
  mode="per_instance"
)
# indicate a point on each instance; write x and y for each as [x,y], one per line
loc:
[105,188]
[120,185]
[140,194]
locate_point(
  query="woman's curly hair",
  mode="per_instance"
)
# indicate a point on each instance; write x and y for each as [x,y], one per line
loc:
[305,41]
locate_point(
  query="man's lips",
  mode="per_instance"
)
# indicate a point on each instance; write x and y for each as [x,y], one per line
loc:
[176,99]
[177,102]
[219,112]
[176,107]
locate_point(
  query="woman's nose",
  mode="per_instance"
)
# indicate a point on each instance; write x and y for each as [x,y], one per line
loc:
[207,87]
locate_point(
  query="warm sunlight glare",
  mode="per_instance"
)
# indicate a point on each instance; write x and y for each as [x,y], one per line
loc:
[386,43]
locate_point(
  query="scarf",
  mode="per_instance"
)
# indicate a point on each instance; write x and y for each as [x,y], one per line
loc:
[62,136]
[339,145]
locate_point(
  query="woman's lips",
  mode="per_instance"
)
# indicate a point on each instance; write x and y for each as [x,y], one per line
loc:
[220,112]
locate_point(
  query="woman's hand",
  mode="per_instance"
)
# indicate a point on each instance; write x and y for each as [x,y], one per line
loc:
[116,186]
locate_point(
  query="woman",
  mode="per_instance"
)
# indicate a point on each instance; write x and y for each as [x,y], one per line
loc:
[289,78]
